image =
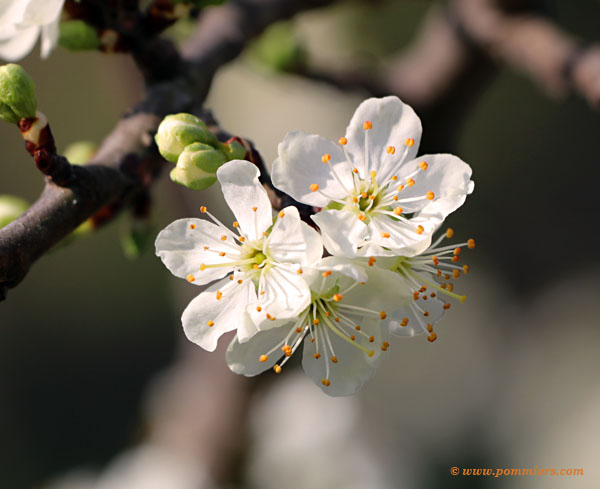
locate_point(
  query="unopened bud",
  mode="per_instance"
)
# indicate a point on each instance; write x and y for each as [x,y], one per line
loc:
[76,35]
[233,151]
[10,208]
[180,130]
[17,94]
[197,166]
[81,152]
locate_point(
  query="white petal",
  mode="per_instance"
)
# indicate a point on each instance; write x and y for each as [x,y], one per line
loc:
[19,46]
[223,315]
[286,295]
[41,12]
[403,239]
[299,166]
[243,358]
[294,241]
[181,248]
[354,367]
[342,231]
[246,197]
[50,34]
[11,12]
[417,322]
[393,123]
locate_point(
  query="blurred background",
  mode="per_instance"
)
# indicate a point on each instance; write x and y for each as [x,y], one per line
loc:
[91,347]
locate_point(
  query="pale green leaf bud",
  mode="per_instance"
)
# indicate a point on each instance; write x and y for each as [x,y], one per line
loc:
[10,208]
[197,166]
[234,150]
[76,35]
[81,152]
[17,94]
[177,131]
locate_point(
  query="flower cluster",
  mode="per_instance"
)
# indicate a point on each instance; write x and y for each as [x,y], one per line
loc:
[382,273]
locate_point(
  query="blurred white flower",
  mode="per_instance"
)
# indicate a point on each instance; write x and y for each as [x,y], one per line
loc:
[264,261]
[23,21]
[344,329]
[377,198]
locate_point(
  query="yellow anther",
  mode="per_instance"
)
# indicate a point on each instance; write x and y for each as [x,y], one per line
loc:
[451,289]
[192,226]
[258,308]
[409,142]
[299,271]
[394,178]
[314,187]
[367,125]
[203,209]
[410,182]
[430,195]
[446,306]
[205,248]
[254,208]
[372,197]
[190,278]
[236,224]
[299,329]
[371,339]
[336,319]
[281,214]
[352,337]
[372,260]
[385,235]
[325,158]
[202,267]
[390,150]
[231,277]
[426,313]
[263,358]
[210,324]
[465,269]
[219,295]
[337,297]
[326,382]
[242,239]
[382,315]
[316,356]
[385,345]
[355,170]
[223,237]
[395,197]
[373,173]
[404,322]
[446,276]
[423,165]
[277,369]
[270,318]
[327,273]
[456,251]
[455,258]
[449,233]
[327,313]
[357,327]
[456,273]
[362,217]
[430,328]
[398,211]
[316,321]
[432,337]
[221,253]
[334,359]
[364,195]
[371,353]
[240,282]
[420,229]
[471,243]
[400,188]
[255,266]
[435,260]
[432,295]
[343,141]
[355,199]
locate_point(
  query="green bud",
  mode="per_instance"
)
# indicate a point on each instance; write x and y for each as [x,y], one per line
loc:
[180,130]
[278,49]
[197,166]
[11,208]
[17,94]
[76,35]
[233,151]
[81,152]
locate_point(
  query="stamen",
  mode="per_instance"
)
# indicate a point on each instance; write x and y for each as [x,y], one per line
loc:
[430,195]
[409,142]
[314,187]
[343,141]
[192,226]
[423,165]
[190,278]
[390,150]
[210,324]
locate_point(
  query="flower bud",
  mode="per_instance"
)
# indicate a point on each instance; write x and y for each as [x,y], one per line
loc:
[11,208]
[17,94]
[197,166]
[178,131]
[76,35]
[80,152]
[233,151]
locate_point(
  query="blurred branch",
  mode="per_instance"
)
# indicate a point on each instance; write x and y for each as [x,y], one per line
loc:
[127,160]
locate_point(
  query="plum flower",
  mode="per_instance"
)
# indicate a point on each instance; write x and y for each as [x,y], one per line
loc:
[264,260]
[377,197]
[23,21]
[344,328]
